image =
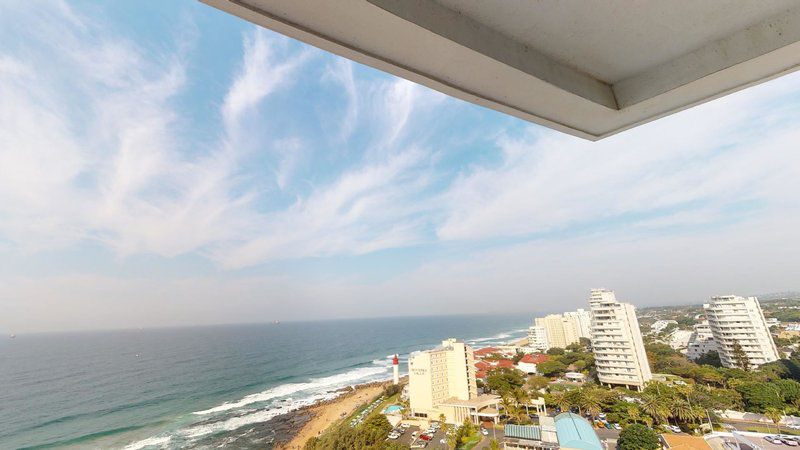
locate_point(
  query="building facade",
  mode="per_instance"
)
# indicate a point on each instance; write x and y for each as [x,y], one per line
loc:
[560,330]
[582,320]
[701,341]
[740,331]
[441,376]
[617,342]
[659,325]
[537,338]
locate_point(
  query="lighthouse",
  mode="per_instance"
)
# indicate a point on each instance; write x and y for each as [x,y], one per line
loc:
[395,370]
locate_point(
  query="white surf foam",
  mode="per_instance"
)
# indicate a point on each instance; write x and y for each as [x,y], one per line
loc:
[285,390]
[155,441]
[257,417]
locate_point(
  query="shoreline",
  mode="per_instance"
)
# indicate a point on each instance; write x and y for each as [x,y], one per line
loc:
[326,413]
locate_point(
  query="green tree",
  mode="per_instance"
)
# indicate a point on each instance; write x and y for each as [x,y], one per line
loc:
[775,415]
[591,401]
[711,359]
[555,351]
[502,380]
[638,437]
[494,445]
[537,382]
[656,405]
[740,356]
[551,368]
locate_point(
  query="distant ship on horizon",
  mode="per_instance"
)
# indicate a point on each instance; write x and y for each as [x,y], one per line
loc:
[12,335]
[276,322]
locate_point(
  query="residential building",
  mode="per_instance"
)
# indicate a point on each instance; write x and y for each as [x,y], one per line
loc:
[701,341]
[583,322]
[442,381]
[617,342]
[679,339]
[527,364]
[561,331]
[659,325]
[537,338]
[738,323]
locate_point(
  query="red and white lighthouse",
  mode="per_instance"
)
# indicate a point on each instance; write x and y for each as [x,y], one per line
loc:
[395,370]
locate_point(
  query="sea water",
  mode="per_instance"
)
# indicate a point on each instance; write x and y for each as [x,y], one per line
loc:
[202,386]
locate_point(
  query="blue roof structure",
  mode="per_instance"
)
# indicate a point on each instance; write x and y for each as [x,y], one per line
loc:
[575,432]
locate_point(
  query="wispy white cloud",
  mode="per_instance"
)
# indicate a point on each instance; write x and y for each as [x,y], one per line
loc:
[719,154]
[98,146]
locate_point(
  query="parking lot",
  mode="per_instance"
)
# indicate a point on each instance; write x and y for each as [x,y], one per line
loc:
[729,443]
[411,438]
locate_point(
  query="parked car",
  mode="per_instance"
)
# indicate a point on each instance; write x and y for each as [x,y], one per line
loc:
[484,431]
[789,442]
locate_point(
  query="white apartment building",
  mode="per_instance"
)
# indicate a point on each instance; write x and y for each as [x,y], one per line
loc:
[659,325]
[561,331]
[583,322]
[701,341]
[733,319]
[617,342]
[442,381]
[537,338]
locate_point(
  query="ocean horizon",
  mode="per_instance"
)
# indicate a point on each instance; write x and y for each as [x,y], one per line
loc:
[204,386]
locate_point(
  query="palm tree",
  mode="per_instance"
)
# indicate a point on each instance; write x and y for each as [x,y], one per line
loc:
[635,415]
[775,415]
[575,398]
[560,400]
[522,397]
[509,406]
[656,406]
[684,411]
[590,401]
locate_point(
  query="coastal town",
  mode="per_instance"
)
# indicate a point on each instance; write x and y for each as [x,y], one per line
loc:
[722,375]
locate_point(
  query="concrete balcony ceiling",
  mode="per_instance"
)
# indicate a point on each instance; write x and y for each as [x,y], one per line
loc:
[591,69]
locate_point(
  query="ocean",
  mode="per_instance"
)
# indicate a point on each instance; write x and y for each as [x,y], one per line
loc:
[203,387]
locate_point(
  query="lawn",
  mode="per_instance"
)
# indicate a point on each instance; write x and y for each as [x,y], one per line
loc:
[472,442]
[770,429]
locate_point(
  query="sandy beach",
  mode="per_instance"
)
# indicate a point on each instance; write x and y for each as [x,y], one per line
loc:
[330,412]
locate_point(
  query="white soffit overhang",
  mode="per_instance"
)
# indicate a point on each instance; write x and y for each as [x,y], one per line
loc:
[588,68]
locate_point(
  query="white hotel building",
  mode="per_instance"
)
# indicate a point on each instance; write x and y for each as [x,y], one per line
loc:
[442,381]
[617,342]
[733,319]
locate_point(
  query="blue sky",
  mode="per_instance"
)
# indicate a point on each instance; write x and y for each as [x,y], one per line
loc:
[164,163]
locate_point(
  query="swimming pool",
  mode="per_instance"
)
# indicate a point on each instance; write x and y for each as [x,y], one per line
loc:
[392,409]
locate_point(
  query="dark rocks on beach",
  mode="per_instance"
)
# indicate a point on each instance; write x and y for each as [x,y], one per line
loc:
[265,435]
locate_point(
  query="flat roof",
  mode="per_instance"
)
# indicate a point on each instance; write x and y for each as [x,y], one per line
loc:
[683,442]
[575,432]
[482,400]
[591,69]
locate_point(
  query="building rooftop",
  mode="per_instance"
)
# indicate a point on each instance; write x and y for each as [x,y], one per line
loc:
[534,359]
[481,401]
[531,432]
[683,442]
[575,432]
[591,69]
